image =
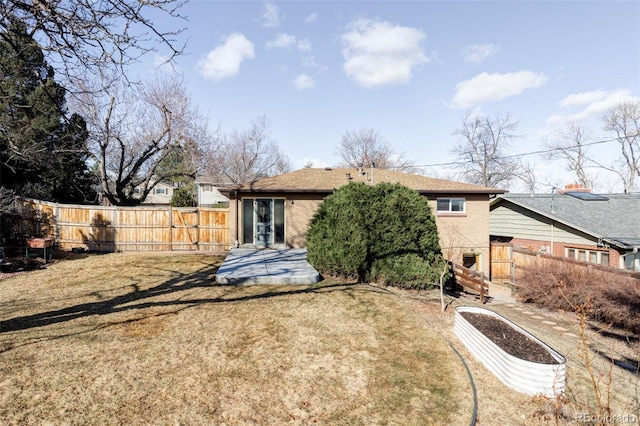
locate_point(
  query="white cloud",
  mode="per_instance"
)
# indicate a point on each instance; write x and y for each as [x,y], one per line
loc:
[224,61]
[282,41]
[303,82]
[311,18]
[304,45]
[271,16]
[485,87]
[309,61]
[477,53]
[584,98]
[287,41]
[593,103]
[378,53]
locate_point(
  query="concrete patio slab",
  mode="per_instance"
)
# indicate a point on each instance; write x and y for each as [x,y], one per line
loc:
[268,266]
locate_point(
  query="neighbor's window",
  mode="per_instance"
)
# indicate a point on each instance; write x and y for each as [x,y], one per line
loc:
[591,256]
[450,205]
[629,261]
[206,188]
[160,191]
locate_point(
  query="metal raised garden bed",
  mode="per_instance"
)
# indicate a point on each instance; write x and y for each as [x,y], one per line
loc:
[521,375]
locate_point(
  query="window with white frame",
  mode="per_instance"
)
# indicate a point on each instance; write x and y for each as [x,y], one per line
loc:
[160,191]
[450,205]
[206,188]
[585,255]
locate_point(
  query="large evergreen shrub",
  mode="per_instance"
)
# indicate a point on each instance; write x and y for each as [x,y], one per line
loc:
[384,233]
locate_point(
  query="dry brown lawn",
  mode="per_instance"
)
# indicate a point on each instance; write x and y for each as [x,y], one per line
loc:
[151,339]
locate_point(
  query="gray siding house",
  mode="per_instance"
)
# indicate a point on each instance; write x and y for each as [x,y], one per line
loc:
[578,224]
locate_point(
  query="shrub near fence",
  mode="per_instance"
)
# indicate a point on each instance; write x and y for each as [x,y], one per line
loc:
[138,228]
[607,297]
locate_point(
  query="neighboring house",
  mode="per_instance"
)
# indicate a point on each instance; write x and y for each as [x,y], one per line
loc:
[160,194]
[575,223]
[209,195]
[276,211]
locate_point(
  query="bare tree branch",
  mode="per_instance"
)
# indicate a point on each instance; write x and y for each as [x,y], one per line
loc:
[482,149]
[624,121]
[83,36]
[134,128]
[571,144]
[367,148]
[247,155]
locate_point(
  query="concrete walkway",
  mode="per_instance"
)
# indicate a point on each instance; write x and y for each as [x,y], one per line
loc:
[268,266]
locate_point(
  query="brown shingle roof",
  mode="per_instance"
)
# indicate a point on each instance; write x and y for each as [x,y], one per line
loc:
[328,179]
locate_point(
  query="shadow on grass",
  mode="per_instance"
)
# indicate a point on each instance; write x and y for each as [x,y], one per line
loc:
[141,300]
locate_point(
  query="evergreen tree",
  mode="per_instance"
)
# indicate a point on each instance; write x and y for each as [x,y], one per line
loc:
[42,152]
[183,198]
[384,233]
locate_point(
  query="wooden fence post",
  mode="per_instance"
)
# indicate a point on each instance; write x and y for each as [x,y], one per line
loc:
[482,287]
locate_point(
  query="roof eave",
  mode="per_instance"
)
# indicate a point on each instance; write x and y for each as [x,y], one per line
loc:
[613,242]
[328,191]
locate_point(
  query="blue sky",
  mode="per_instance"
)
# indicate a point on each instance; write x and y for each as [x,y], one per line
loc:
[410,69]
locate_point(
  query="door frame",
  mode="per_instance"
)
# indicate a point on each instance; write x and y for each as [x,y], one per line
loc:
[250,225]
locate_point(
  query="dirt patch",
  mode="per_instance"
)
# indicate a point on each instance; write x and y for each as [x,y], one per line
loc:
[509,339]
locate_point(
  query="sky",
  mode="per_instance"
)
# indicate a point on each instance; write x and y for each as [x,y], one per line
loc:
[410,70]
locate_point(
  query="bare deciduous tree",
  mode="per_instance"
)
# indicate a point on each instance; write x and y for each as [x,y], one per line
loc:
[247,155]
[482,150]
[571,144]
[367,148]
[527,175]
[83,36]
[623,120]
[134,128]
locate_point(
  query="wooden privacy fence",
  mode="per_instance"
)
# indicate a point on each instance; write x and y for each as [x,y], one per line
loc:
[508,262]
[471,280]
[138,228]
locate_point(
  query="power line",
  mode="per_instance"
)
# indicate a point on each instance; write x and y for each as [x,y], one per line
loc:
[542,151]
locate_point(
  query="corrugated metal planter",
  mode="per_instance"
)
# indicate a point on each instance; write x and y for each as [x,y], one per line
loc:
[521,375]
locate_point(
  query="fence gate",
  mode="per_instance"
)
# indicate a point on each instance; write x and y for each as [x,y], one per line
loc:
[501,262]
[185,234]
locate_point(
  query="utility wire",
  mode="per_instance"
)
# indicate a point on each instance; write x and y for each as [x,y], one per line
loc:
[542,151]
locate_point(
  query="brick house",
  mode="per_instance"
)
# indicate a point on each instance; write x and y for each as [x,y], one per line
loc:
[276,211]
[573,223]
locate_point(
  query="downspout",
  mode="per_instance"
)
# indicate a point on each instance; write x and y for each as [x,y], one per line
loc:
[552,229]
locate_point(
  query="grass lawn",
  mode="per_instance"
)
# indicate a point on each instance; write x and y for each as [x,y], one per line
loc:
[151,339]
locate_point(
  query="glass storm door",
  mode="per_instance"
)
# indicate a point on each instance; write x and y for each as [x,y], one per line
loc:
[264,222]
